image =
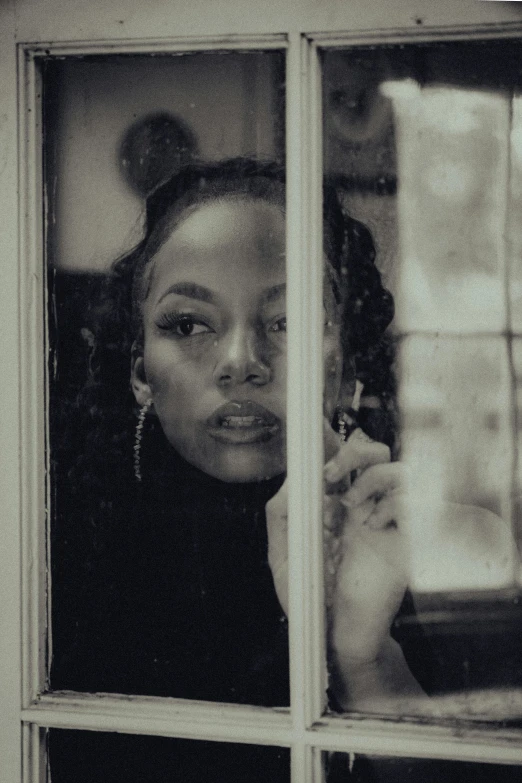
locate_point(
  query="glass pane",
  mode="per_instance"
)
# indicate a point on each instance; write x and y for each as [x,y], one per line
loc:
[513,223]
[421,541]
[516,352]
[453,440]
[95,757]
[345,767]
[167,373]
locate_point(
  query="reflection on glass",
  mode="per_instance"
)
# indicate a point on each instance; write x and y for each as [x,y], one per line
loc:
[85,756]
[109,144]
[516,348]
[455,423]
[513,223]
[168,382]
[421,560]
[453,157]
[346,767]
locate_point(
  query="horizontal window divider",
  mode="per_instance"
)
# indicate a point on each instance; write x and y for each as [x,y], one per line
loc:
[476,334]
[165,717]
[418,738]
[460,740]
[153,46]
[418,34]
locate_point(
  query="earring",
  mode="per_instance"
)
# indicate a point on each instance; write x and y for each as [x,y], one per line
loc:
[346,422]
[137,438]
[342,425]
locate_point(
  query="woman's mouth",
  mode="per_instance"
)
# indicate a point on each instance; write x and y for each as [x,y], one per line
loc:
[243,422]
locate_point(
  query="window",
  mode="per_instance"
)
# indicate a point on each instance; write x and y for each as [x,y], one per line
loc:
[312,740]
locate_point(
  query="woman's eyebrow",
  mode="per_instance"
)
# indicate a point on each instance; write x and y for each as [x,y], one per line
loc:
[191,290]
[273,293]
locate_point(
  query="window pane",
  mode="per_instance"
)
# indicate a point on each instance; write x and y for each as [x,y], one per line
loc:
[516,349]
[95,757]
[160,579]
[344,767]
[422,553]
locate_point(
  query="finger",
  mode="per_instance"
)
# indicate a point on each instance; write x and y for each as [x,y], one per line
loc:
[277,506]
[277,526]
[358,453]
[331,440]
[357,517]
[375,481]
[387,512]
[332,445]
[330,514]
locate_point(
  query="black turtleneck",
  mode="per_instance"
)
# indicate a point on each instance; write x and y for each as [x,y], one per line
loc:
[168,592]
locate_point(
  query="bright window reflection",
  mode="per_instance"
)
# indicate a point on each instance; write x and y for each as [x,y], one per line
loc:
[455,415]
[453,159]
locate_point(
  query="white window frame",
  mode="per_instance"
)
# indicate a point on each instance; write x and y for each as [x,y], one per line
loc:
[26,711]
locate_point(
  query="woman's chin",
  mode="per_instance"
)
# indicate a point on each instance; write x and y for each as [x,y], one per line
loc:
[243,468]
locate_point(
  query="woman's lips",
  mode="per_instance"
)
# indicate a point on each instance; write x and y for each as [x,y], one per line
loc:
[243,422]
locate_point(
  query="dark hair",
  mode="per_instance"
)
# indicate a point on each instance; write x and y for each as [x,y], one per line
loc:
[367,307]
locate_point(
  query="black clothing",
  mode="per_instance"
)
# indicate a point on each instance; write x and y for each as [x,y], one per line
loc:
[178,598]
[164,589]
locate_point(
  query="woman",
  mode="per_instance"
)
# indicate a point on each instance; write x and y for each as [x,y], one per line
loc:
[176,584]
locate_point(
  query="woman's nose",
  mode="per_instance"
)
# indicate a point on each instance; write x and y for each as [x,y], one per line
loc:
[241,360]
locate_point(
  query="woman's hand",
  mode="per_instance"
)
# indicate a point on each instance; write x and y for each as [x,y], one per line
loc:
[375,540]
[367,572]
[358,453]
[365,567]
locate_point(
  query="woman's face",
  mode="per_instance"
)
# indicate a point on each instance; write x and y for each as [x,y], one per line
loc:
[214,361]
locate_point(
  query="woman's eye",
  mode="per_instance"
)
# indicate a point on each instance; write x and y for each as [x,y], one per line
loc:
[184,326]
[279,325]
[187,327]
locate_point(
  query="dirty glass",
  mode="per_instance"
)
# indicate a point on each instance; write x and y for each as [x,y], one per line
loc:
[344,767]
[86,756]
[422,172]
[165,253]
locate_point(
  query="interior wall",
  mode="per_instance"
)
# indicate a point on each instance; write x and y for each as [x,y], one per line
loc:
[231,101]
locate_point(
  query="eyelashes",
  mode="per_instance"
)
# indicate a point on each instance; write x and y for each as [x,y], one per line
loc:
[279,325]
[183,325]
[190,324]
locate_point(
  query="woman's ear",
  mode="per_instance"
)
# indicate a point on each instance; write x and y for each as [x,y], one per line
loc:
[139,385]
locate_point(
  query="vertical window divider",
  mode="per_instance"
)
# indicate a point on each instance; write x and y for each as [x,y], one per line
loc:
[10,475]
[315,561]
[26,745]
[33,385]
[35,762]
[304,400]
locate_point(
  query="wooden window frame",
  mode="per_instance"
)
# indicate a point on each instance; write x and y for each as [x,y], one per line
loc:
[29,710]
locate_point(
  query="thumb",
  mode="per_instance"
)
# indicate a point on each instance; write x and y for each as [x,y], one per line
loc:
[277,531]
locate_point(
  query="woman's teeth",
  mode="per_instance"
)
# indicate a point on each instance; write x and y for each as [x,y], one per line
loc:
[239,422]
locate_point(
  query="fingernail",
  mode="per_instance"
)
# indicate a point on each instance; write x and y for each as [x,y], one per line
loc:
[332,472]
